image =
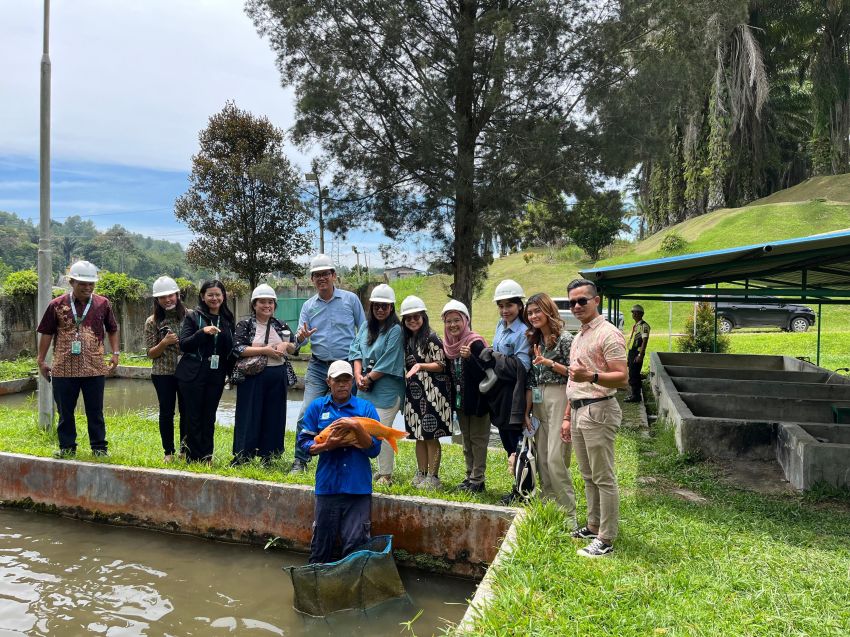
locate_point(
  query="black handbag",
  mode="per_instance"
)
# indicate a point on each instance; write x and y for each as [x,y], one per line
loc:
[250,365]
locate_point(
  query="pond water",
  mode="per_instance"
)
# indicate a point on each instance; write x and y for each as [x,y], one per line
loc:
[138,396]
[67,577]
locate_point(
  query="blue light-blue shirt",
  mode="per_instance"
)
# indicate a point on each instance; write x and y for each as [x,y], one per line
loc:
[388,353]
[336,322]
[510,340]
[345,469]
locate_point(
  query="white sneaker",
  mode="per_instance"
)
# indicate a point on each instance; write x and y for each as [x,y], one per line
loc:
[419,480]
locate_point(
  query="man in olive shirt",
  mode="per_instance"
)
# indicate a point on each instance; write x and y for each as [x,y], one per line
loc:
[636,351]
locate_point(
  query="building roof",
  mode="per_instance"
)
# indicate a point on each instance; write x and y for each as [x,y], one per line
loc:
[815,268]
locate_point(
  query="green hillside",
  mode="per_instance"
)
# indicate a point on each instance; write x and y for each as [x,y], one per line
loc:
[773,219]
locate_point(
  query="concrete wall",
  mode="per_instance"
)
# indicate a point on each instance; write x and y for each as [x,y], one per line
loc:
[17,327]
[808,460]
[457,538]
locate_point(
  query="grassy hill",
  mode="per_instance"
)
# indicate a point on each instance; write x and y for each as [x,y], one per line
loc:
[822,205]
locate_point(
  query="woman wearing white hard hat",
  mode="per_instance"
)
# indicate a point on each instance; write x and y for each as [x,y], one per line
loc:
[427,394]
[261,397]
[463,347]
[510,361]
[206,340]
[162,345]
[377,355]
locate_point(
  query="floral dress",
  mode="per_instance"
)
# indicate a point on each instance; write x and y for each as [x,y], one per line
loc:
[427,395]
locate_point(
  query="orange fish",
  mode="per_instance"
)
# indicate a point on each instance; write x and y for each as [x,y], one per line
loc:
[372,427]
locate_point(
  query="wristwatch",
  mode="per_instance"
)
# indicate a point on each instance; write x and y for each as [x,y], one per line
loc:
[595,378]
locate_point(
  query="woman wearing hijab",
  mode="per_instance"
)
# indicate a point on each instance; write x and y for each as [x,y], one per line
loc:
[463,348]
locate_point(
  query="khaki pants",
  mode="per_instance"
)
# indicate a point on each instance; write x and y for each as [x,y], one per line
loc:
[553,454]
[386,458]
[594,428]
[476,434]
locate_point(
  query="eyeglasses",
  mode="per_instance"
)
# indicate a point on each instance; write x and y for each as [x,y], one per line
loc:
[580,301]
[324,274]
[413,317]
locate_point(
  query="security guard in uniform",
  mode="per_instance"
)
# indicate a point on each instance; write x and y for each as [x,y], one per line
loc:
[636,350]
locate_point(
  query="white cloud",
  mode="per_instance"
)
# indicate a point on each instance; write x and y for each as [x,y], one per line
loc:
[134,82]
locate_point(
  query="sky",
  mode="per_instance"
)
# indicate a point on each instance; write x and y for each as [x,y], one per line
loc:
[132,85]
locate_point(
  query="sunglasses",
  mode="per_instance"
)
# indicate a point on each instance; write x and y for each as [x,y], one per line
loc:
[580,301]
[382,306]
[413,317]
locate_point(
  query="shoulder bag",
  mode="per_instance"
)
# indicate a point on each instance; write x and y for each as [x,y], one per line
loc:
[250,365]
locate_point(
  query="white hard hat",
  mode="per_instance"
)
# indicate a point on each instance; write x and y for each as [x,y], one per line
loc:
[508,289]
[263,291]
[164,286]
[411,305]
[320,263]
[454,306]
[382,293]
[83,271]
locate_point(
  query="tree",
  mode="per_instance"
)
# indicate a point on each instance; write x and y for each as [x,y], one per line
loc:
[595,222]
[243,203]
[442,115]
[701,339]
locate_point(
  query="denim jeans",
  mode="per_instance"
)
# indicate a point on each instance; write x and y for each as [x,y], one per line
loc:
[315,386]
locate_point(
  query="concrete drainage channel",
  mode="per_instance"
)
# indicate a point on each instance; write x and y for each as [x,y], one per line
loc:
[468,536]
[760,408]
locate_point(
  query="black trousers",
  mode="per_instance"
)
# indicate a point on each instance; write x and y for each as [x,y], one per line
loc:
[260,415]
[200,402]
[510,439]
[66,391]
[346,516]
[634,373]
[168,394]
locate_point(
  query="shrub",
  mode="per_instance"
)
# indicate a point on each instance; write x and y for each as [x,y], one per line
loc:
[236,288]
[188,290]
[118,287]
[21,284]
[673,243]
[704,338]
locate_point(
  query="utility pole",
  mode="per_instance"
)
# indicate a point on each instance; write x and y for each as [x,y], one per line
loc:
[45,258]
[314,178]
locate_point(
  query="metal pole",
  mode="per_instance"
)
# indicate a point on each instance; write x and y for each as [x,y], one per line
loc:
[670,328]
[321,218]
[714,343]
[820,305]
[45,259]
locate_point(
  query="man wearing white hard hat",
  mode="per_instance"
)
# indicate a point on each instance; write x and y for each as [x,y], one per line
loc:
[329,320]
[76,323]
[162,347]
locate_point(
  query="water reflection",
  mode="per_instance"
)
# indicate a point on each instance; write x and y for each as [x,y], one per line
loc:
[65,577]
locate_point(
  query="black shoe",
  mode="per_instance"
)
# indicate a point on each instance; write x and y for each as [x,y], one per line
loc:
[583,533]
[597,548]
[65,453]
[632,399]
[299,466]
[99,452]
[470,487]
[508,499]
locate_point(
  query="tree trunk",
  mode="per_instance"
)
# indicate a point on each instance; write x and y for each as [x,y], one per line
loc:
[466,215]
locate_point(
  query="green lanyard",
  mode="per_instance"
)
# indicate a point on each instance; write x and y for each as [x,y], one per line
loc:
[215,336]
[79,321]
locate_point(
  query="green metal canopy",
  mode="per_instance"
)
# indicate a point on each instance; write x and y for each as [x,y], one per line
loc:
[813,268]
[809,269]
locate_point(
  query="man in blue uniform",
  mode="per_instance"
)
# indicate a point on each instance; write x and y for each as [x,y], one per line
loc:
[329,320]
[344,473]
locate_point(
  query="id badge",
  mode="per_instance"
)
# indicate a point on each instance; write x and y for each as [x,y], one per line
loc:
[76,347]
[536,395]
[214,361]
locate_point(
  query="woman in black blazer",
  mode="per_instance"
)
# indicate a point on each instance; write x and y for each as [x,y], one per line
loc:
[206,340]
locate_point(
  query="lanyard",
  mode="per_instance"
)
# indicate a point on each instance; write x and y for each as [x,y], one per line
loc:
[215,336]
[78,321]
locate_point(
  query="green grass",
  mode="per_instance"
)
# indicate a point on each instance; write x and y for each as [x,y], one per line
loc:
[831,188]
[20,368]
[134,441]
[739,564]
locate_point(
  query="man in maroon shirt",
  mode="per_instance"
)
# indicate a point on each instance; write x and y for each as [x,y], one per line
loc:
[76,324]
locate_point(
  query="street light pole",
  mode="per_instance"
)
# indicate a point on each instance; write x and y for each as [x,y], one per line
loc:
[314,178]
[45,259]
